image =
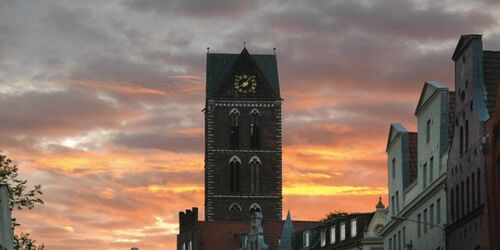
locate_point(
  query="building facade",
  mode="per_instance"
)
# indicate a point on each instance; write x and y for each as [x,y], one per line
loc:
[242,137]
[357,231]
[417,172]
[476,83]
[6,233]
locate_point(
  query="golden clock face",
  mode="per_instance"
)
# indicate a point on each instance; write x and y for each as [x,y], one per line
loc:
[245,84]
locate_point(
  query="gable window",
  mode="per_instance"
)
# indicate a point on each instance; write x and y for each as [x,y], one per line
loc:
[254,129]
[235,128]
[428,132]
[234,165]
[342,231]
[255,175]
[353,228]
[332,234]
[323,237]
[306,236]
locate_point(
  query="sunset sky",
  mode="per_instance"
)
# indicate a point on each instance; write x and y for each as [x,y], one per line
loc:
[100,102]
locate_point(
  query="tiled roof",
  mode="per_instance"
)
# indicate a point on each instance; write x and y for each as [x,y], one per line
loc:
[413,143]
[491,70]
[225,235]
[219,66]
[451,115]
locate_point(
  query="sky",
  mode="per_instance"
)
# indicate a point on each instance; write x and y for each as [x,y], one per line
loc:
[100,102]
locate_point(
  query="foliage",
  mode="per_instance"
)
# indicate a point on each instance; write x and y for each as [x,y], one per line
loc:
[334,214]
[21,197]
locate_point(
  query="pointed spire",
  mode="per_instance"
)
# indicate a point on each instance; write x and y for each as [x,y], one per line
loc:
[286,234]
[380,205]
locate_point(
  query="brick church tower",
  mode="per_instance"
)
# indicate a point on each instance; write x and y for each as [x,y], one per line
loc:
[242,137]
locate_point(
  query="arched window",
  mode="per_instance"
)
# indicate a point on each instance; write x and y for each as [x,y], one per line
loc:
[234,165]
[467,185]
[235,208]
[254,128]
[255,164]
[461,140]
[466,135]
[452,205]
[473,189]
[478,176]
[234,114]
[255,208]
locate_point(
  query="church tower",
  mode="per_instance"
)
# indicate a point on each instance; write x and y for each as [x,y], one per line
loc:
[242,137]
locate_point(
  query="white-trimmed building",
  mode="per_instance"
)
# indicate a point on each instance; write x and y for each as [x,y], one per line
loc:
[417,165]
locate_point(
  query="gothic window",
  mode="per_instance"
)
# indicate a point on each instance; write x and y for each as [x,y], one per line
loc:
[255,165]
[234,165]
[235,128]
[466,135]
[461,140]
[255,208]
[235,211]
[452,205]
[255,128]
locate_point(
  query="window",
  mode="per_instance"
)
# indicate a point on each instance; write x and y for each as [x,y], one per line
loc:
[428,128]
[323,237]
[393,205]
[254,175]
[457,201]
[306,238]
[431,216]
[461,140]
[399,240]
[424,175]
[468,194]
[397,201]
[419,219]
[332,234]
[478,176]
[394,246]
[466,135]
[473,187]
[390,244]
[353,228]
[234,165]
[438,211]
[452,205]
[235,128]
[431,170]
[342,231]
[190,246]
[183,246]
[462,198]
[404,237]
[425,221]
[255,208]
[254,128]
[393,168]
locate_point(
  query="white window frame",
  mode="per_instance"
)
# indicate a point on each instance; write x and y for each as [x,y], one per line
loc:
[354,231]
[342,231]
[332,234]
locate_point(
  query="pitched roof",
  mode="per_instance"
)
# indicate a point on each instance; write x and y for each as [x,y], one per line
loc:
[427,91]
[218,235]
[413,143]
[462,44]
[491,71]
[219,66]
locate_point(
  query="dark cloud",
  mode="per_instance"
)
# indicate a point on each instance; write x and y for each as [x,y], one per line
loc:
[174,143]
[198,8]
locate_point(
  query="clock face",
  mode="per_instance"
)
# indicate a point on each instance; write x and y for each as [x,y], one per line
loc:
[245,84]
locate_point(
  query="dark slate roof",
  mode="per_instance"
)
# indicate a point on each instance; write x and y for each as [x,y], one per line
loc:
[219,66]
[491,71]
[451,115]
[225,235]
[413,143]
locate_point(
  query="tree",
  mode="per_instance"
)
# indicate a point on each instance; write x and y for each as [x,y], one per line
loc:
[334,214]
[21,198]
